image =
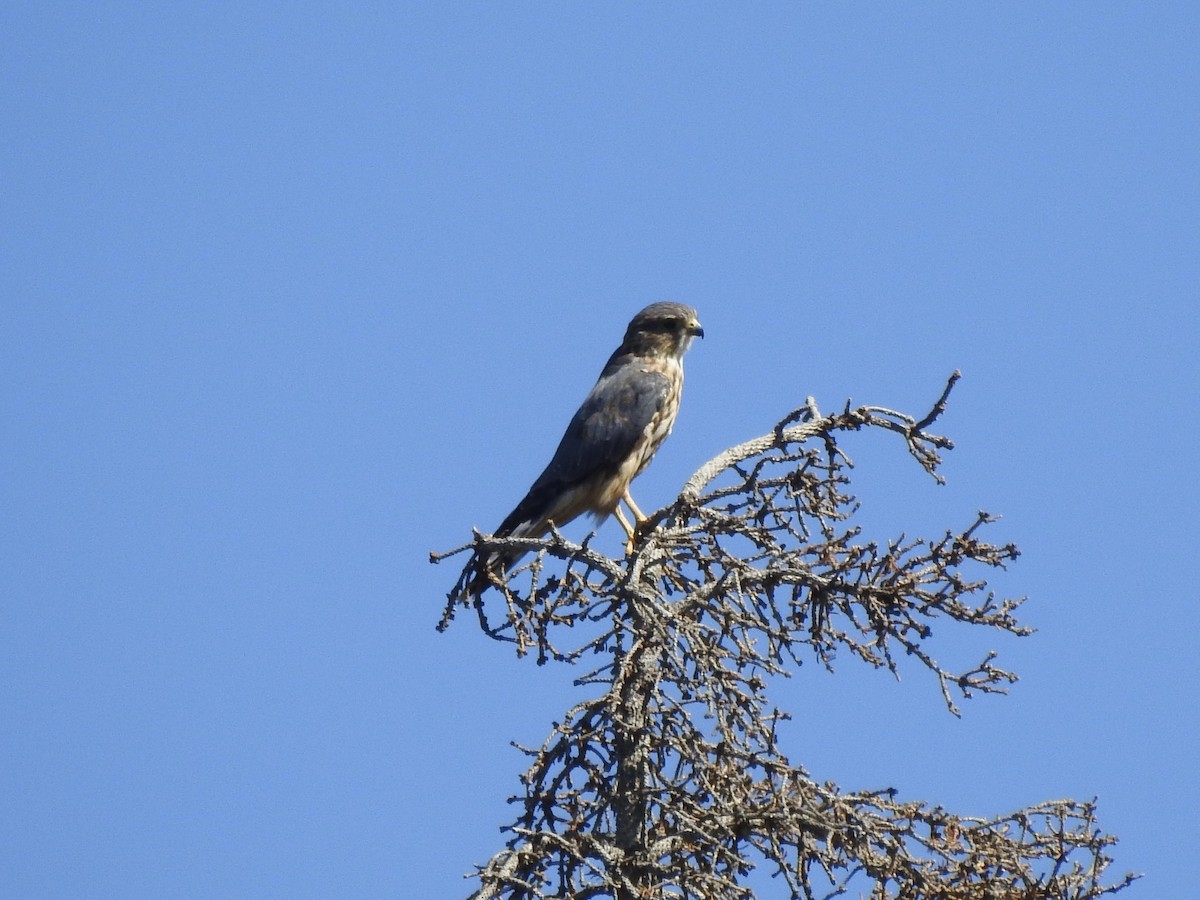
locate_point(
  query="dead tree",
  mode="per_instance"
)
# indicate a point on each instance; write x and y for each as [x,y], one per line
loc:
[670,781]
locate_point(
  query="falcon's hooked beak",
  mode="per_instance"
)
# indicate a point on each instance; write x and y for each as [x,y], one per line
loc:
[691,331]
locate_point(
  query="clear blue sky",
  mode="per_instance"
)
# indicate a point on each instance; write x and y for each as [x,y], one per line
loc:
[294,294]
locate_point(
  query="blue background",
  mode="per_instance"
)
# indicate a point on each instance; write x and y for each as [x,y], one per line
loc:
[294,294]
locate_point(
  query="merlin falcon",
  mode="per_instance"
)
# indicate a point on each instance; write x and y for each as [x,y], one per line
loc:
[616,431]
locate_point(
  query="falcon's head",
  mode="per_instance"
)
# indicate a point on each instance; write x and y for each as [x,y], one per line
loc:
[662,329]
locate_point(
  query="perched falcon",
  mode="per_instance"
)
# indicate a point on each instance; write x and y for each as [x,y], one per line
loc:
[616,431]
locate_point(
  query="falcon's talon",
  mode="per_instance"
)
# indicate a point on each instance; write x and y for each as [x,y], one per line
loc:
[639,517]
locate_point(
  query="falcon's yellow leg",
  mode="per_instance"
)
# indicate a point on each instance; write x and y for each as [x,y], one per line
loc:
[628,528]
[638,516]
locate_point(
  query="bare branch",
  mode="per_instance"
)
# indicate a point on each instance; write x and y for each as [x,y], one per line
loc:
[671,782]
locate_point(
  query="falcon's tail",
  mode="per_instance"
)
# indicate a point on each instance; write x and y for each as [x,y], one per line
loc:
[519,523]
[492,570]
[548,500]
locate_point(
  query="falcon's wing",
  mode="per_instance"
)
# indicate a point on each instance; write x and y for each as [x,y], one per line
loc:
[608,424]
[602,435]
